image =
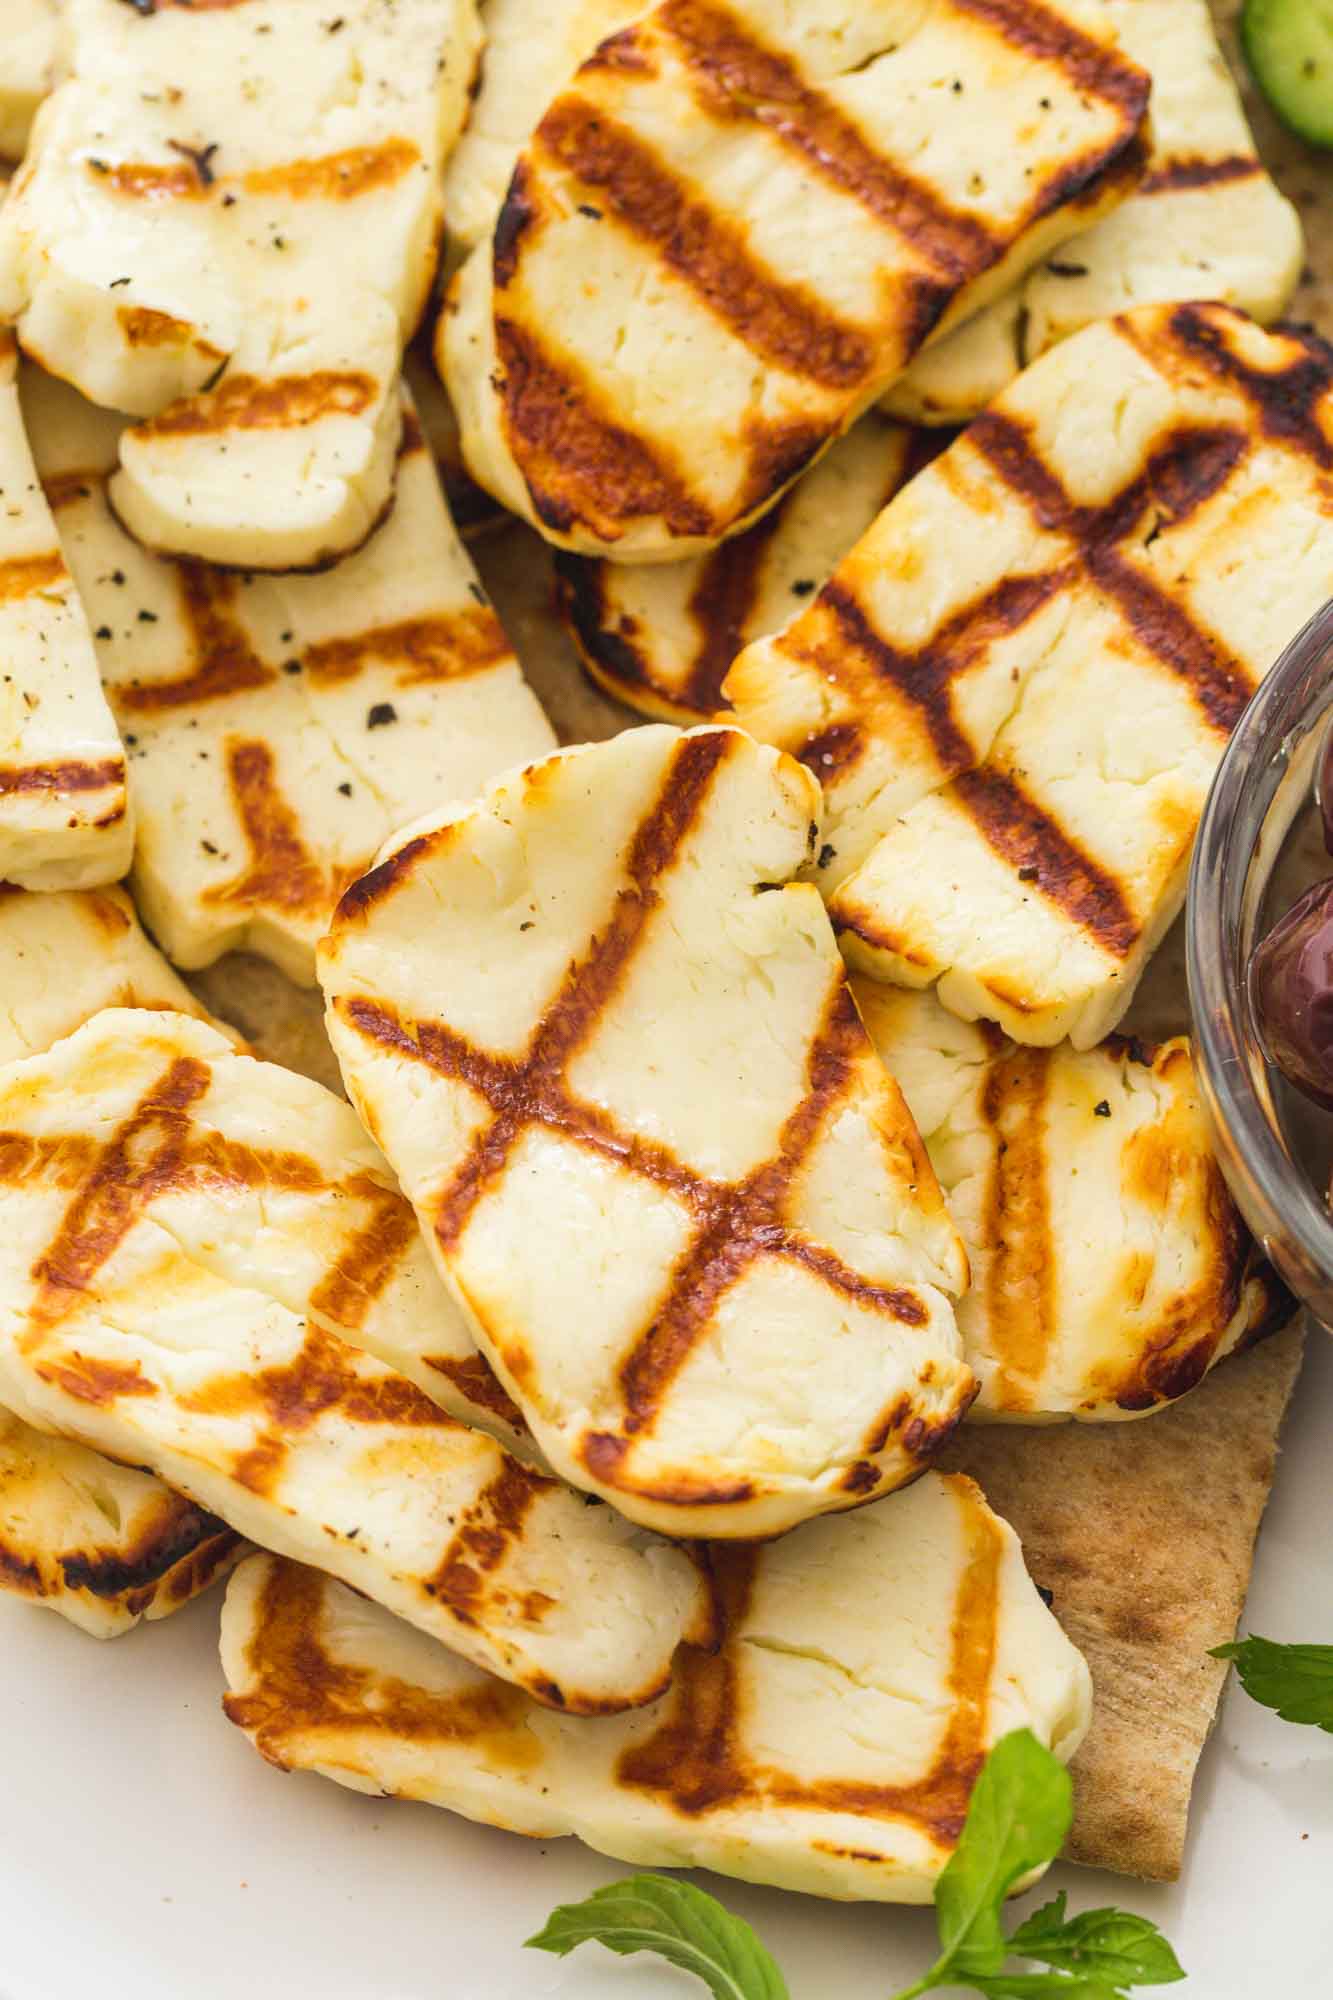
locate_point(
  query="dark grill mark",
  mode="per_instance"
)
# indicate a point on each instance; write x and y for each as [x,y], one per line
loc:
[739,78]
[1192,170]
[66,777]
[721,607]
[1026,836]
[1189,466]
[1097,68]
[784,323]
[224,663]
[580,465]
[1287,402]
[249,403]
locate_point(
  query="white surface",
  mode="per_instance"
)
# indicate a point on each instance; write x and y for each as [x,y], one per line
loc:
[147,1854]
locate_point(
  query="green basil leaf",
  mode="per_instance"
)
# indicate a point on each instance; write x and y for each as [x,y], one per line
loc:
[677,1921]
[1110,1945]
[1297,1681]
[1047,1986]
[1021,1809]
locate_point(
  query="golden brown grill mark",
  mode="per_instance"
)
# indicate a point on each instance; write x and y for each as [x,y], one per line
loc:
[26,576]
[579,464]
[90,1380]
[735,1224]
[477,1380]
[1016,1224]
[250,403]
[338,176]
[469,641]
[139,1162]
[148,180]
[224,661]
[282,873]
[292,1396]
[493,1523]
[348,1290]
[1194,170]
[65,777]
[695,1763]
[299,1689]
[738,78]
[143,327]
[786,324]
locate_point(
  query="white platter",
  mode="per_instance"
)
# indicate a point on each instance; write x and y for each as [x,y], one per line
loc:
[147,1854]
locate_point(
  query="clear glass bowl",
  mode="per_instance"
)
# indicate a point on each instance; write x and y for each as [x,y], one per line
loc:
[1259,845]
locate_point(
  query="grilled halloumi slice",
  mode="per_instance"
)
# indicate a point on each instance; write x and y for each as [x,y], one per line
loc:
[1110,1268]
[593,1012]
[181,1258]
[64,813]
[227,225]
[830,1745]
[29,35]
[102,1544]
[661,636]
[64,956]
[280,728]
[1206,222]
[1017,686]
[735,226]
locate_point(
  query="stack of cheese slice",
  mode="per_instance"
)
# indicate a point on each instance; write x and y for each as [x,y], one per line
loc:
[1016,687]
[830,1745]
[189,1255]
[226,224]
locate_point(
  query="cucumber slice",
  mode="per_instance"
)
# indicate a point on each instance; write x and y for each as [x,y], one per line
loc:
[1289,47]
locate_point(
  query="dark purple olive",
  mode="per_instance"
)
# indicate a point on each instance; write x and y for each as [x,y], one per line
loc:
[1323,790]
[1291,986]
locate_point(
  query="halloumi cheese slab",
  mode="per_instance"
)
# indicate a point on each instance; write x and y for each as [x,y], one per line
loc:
[102,1544]
[1016,687]
[66,955]
[64,811]
[735,226]
[29,34]
[609,1049]
[1206,222]
[175,1279]
[1110,1267]
[280,728]
[830,1745]
[661,636]
[227,225]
